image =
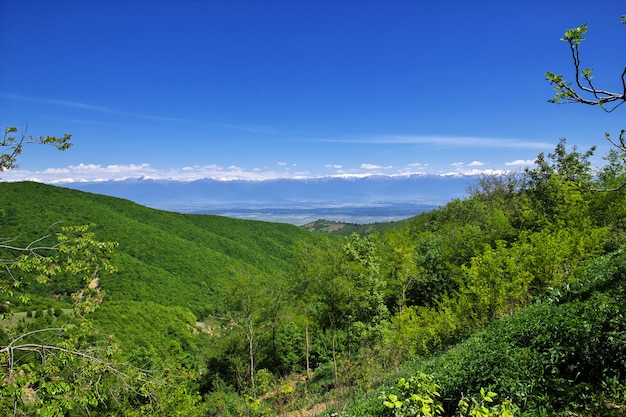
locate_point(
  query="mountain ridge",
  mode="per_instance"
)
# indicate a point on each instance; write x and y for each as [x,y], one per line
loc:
[299,199]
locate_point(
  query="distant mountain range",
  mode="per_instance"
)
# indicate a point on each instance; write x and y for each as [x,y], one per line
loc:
[353,199]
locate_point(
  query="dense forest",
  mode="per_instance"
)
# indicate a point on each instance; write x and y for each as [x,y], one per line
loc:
[516,290]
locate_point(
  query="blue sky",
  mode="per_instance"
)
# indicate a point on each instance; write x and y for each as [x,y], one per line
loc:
[266,89]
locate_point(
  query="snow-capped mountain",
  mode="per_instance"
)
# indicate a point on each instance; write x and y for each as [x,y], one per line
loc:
[384,194]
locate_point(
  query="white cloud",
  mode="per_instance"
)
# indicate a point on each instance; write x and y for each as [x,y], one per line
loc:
[520,162]
[95,172]
[282,164]
[85,172]
[475,164]
[483,171]
[370,166]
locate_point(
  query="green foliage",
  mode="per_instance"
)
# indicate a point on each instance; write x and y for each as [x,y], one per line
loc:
[167,394]
[488,270]
[13,142]
[553,354]
[65,367]
[416,396]
[290,347]
[496,284]
[482,407]
[71,251]
[419,331]
[419,396]
[556,187]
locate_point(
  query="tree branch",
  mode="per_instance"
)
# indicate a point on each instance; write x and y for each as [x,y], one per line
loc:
[565,93]
[16,145]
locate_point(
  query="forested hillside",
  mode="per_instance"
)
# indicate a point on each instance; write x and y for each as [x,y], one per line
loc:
[170,265]
[525,277]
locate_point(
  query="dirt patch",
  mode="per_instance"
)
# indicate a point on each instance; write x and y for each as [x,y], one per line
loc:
[204,328]
[313,411]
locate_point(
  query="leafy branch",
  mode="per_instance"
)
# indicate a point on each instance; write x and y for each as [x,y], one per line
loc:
[13,145]
[70,369]
[584,90]
[75,251]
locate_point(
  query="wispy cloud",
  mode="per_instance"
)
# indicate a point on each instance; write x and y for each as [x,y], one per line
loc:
[475,164]
[106,110]
[246,128]
[443,140]
[64,103]
[89,107]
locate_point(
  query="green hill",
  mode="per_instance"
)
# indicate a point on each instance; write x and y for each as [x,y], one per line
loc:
[169,264]
[346,229]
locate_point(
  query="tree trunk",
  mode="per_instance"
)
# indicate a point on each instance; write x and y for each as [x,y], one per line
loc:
[332,329]
[248,309]
[307,351]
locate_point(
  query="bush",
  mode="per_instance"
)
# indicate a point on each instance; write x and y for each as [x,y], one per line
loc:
[419,396]
[416,396]
[557,355]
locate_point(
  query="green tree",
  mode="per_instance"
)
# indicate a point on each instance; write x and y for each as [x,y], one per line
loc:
[331,291]
[556,188]
[40,365]
[342,291]
[398,253]
[368,314]
[246,297]
[309,269]
[497,284]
